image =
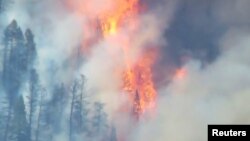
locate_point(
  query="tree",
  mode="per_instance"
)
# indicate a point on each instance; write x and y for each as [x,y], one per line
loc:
[43,93]
[31,49]
[52,113]
[33,98]
[20,126]
[74,93]
[80,108]
[137,109]
[19,53]
[12,68]
[11,76]
[17,124]
[4,114]
[7,126]
[78,120]
[99,121]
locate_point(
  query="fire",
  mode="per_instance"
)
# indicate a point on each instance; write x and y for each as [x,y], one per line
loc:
[138,82]
[115,17]
[137,77]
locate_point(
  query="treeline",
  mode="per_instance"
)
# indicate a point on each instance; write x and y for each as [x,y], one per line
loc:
[31,112]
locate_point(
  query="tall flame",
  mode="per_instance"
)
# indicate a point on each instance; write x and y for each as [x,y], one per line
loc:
[137,76]
[112,18]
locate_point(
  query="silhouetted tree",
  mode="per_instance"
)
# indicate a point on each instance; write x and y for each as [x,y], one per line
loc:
[74,93]
[40,119]
[79,122]
[31,49]
[33,99]
[4,115]
[99,121]
[20,126]
[53,111]
[12,73]
[19,53]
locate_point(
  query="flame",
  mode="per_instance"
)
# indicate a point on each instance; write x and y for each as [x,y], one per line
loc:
[113,18]
[138,80]
[137,77]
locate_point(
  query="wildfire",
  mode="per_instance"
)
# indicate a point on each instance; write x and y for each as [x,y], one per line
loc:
[137,77]
[117,16]
[138,83]
[113,18]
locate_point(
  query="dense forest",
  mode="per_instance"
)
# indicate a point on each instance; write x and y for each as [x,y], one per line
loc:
[31,112]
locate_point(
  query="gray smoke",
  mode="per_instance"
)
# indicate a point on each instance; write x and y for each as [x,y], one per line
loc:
[210,39]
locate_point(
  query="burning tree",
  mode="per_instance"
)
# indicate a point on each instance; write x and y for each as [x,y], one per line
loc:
[137,108]
[121,22]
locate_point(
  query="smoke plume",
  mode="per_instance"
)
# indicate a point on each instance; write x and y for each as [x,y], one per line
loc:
[208,39]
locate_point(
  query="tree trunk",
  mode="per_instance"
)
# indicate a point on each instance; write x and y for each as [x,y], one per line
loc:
[38,119]
[71,110]
[7,123]
[30,116]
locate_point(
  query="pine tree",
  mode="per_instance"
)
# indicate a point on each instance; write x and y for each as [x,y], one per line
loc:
[33,99]
[4,115]
[79,122]
[12,68]
[99,121]
[11,76]
[20,126]
[83,104]
[57,104]
[71,124]
[17,65]
[31,49]
[41,122]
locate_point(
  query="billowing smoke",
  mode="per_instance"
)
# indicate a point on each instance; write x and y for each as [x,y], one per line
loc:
[187,105]
[205,38]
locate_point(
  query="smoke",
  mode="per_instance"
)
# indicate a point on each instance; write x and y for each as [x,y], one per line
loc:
[57,35]
[215,39]
[215,94]
[218,94]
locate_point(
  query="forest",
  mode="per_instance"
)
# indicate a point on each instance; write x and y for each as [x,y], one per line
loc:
[31,112]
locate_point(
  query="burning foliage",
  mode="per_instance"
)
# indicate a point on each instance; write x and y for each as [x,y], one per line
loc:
[119,20]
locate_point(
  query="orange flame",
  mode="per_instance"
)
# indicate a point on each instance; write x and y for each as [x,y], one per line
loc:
[137,76]
[112,19]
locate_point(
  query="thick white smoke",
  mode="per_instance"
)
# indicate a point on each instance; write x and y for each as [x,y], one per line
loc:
[218,93]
